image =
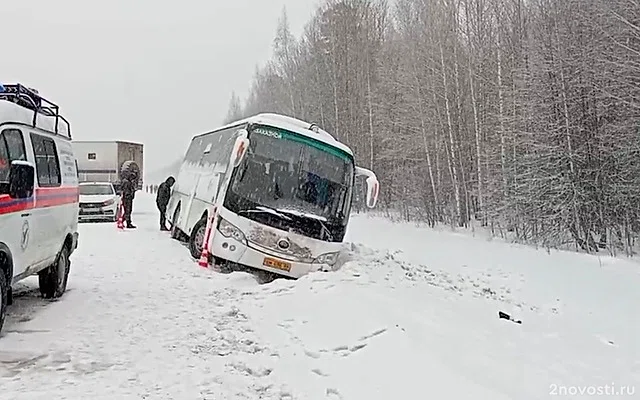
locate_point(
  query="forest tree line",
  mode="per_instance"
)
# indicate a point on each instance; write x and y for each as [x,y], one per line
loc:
[518,115]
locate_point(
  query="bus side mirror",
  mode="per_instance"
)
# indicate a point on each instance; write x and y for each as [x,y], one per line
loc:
[373,186]
[240,148]
[21,180]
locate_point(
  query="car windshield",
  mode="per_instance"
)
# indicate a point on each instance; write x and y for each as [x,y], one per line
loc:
[294,175]
[96,190]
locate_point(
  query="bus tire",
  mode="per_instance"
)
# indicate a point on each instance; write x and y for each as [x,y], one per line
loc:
[197,237]
[175,231]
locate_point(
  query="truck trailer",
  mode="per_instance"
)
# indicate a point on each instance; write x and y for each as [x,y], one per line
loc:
[101,161]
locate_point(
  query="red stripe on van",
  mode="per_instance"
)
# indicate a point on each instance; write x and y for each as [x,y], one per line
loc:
[44,197]
[9,205]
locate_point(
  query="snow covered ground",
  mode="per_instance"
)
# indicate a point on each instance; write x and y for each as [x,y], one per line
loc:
[412,314]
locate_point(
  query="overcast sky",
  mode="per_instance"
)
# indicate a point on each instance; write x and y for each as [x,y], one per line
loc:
[151,71]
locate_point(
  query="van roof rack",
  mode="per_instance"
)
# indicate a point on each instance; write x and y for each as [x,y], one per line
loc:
[30,99]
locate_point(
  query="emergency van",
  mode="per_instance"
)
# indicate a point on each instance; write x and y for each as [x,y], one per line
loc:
[38,194]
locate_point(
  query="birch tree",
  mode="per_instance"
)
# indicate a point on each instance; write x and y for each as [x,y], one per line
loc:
[519,114]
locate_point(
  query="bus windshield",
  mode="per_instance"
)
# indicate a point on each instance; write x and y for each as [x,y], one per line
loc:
[295,177]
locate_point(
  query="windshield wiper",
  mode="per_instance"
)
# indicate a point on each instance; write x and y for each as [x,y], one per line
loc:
[263,210]
[313,217]
[326,230]
[281,214]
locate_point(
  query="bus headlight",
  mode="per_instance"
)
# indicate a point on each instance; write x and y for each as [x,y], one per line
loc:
[328,258]
[229,230]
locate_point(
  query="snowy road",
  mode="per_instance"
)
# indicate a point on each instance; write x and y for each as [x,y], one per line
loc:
[141,320]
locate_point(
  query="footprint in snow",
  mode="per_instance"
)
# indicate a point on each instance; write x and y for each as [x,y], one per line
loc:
[357,347]
[286,396]
[333,393]
[374,334]
[319,372]
[284,325]
[606,341]
[340,348]
[311,354]
[245,369]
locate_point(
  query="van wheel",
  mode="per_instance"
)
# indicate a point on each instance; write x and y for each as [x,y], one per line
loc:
[4,297]
[197,238]
[53,280]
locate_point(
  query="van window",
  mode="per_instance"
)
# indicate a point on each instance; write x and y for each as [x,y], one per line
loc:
[47,163]
[15,144]
[5,162]
[11,149]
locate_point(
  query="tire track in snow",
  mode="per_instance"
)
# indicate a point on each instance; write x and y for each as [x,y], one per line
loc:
[151,325]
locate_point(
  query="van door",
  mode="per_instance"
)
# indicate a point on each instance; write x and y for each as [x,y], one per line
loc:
[49,197]
[16,216]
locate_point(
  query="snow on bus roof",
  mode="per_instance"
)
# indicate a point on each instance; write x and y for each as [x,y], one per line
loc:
[293,125]
[11,112]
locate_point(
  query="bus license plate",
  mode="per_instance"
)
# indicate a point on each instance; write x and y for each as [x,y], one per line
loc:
[277,264]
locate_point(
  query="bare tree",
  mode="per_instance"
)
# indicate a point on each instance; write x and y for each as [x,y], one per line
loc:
[522,114]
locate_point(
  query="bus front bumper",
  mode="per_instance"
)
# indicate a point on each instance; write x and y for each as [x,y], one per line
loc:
[240,253]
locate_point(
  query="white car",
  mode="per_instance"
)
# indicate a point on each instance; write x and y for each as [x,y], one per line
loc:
[98,201]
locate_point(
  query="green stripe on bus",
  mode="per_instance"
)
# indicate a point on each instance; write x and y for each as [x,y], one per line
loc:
[311,142]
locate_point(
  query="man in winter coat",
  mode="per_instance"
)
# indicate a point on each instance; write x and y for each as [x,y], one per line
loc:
[162,199]
[128,194]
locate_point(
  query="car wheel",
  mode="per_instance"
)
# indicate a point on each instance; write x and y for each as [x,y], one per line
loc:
[4,297]
[53,280]
[197,238]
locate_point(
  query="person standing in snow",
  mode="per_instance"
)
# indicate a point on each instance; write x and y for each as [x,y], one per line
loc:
[128,194]
[162,199]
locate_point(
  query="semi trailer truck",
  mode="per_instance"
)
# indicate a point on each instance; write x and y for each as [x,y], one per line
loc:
[102,161]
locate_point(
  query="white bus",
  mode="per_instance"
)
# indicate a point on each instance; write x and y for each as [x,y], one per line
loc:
[278,191]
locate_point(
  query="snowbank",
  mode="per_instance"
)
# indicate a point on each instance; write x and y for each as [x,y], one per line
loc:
[412,314]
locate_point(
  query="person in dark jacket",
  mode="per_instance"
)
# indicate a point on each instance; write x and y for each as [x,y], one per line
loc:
[128,194]
[162,199]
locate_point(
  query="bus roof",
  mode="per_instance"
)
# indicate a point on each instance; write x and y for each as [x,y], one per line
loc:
[34,110]
[291,124]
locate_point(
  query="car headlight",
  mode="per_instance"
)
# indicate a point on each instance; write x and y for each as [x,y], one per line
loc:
[328,258]
[108,202]
[229,230]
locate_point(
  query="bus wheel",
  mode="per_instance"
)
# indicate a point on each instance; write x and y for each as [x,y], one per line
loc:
[175,231]
[197,238]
